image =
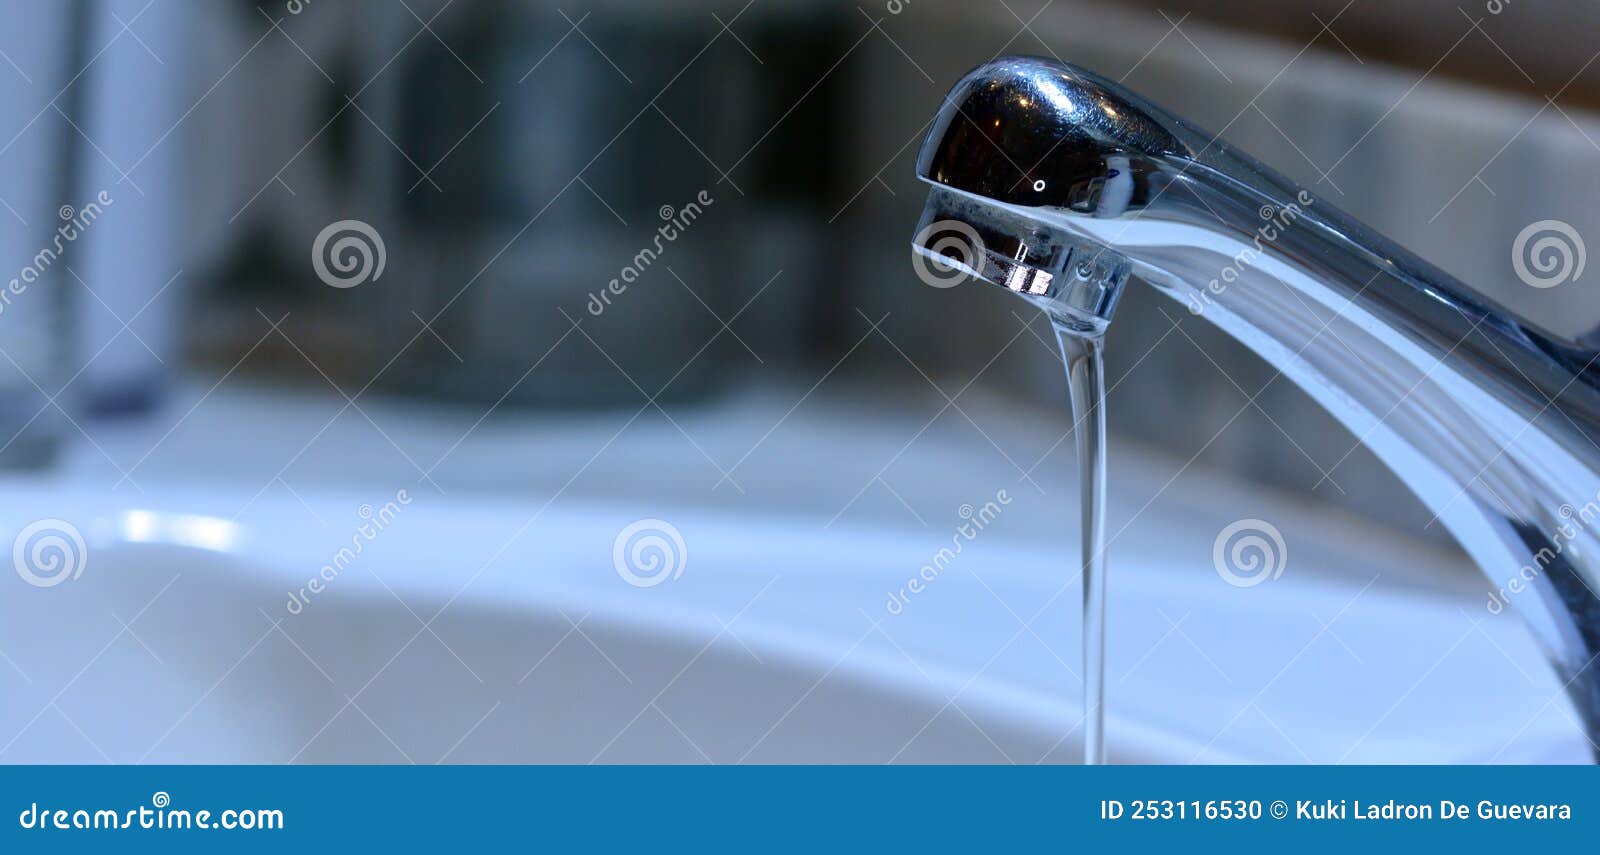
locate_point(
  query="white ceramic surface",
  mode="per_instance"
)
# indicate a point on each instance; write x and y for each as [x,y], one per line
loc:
[472,630]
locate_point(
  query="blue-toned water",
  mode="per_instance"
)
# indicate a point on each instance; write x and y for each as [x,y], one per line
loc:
[1083,358]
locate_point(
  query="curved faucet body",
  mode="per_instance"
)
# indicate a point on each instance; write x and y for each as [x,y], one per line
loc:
[1491,421]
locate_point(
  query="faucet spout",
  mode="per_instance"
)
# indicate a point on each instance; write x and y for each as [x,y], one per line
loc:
[1492,421]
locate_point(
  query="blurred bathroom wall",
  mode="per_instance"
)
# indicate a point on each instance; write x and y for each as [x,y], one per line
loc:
[510,161]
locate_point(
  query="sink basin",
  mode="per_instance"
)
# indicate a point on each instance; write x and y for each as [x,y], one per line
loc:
[501,630]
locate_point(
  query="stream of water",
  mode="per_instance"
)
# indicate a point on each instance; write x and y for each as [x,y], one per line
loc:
[1083,357]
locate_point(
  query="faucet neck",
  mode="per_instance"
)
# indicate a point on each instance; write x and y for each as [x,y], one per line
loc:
[1493,422]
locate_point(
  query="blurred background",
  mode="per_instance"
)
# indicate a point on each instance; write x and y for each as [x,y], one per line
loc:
[514,158]
[661,250]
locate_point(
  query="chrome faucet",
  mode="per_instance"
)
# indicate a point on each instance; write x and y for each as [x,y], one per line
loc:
[1060,185]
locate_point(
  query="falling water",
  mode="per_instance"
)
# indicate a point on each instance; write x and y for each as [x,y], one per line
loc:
[1086,381]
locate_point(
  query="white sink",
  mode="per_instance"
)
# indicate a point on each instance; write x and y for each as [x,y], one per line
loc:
[176,643]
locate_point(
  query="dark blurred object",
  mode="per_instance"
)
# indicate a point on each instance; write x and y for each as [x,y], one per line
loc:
[596,206]
[559,193]
[42,45]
